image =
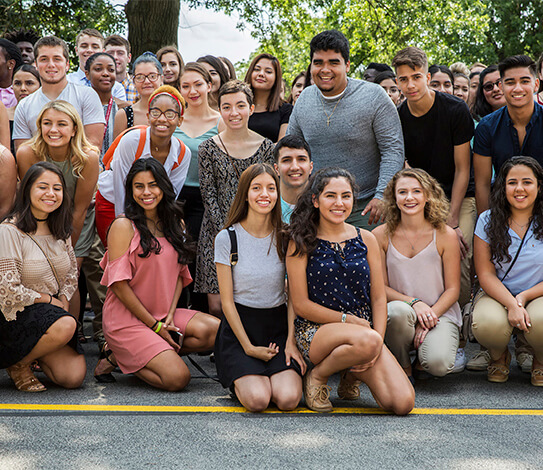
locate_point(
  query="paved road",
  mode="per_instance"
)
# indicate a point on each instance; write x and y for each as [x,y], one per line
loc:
[190,435]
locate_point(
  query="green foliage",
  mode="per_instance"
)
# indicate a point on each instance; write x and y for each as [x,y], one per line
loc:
[62,18]
[466,30]
[515,27]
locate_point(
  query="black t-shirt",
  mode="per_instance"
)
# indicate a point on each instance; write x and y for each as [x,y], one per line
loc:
[268,123]
[430,139]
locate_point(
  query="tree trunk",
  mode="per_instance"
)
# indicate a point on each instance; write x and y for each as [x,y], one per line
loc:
[152,24]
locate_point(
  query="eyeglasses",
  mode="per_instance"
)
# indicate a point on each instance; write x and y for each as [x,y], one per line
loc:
[140,78]
[490,85]
[169,114]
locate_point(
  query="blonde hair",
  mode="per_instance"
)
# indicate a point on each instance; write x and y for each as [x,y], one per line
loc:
[437,206]
[79,144]
[460,67]
[170,90]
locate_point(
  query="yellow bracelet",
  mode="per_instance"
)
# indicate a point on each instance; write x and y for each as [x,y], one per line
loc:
[159,327]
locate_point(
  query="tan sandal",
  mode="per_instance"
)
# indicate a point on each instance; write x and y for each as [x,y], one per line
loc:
[348,390]
[317,397]
[24,379]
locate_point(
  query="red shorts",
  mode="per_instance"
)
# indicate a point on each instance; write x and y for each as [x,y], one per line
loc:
[105,214]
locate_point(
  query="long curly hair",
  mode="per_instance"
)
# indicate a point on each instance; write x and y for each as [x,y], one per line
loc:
[79,144]
[497,226]
[437,206]
[304,220]
[240,206]
[170,213]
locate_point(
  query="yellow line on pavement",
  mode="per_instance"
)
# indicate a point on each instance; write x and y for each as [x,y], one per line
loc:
[240,409]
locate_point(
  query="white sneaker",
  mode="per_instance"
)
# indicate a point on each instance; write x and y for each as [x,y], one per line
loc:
[480,361]
[460,361]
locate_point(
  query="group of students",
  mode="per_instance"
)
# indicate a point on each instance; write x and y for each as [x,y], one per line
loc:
[252,218]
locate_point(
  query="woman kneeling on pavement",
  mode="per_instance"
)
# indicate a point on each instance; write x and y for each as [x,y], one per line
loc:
[338,293]
[38,276]
[421,260]
[255,351]
[145,270]
[508,253]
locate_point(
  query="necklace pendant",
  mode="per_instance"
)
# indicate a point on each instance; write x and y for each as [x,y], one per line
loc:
[328,122]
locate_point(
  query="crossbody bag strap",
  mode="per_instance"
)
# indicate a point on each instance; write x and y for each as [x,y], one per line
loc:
[233,245]
[44,254]
[517,253]
[48,261]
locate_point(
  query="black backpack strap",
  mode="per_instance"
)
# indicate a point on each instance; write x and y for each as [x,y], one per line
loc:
[233,246]
[202,371]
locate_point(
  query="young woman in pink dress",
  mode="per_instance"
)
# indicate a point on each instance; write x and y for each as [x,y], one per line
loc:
[145,270]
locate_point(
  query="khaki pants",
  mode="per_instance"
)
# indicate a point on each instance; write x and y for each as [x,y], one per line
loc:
[361,221]
[466,222]
[97,292]
[437,352]
[492,330]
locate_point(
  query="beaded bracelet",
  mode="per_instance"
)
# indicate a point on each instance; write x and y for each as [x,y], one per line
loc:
[413,302]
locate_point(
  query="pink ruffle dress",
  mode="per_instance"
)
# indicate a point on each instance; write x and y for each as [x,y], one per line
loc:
[153,280]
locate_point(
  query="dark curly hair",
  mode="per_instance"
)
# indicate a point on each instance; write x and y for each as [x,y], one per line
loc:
[304,221]
[170,213]
[497,227]
[22,35]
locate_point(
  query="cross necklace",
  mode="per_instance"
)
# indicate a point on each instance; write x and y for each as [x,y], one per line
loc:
[329,116]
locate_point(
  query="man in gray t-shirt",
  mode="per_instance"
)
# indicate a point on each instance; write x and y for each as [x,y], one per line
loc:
[349,123]
[52,61]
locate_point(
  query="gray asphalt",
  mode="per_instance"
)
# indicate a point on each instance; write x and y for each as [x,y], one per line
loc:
[195,440]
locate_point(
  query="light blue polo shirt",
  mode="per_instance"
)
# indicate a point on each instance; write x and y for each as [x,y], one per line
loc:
[528,269]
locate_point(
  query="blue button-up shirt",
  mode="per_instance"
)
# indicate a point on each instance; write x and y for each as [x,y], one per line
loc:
[496,137]
[528,269]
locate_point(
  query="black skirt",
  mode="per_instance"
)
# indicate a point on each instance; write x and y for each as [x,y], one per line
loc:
[18,337]
[263,326]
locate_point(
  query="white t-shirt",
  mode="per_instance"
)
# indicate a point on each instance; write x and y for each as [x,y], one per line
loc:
[111,182]
[84,99]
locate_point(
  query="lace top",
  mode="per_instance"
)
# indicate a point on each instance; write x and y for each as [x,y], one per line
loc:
[25,272]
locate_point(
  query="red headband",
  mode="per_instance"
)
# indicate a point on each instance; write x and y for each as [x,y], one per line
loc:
[169,94]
